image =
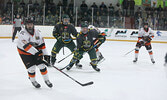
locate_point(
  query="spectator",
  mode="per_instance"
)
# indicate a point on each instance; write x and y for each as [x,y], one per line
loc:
[132,7]
[125,5]
[95,7]
[23,7]
[30,4]
[9,4]
[111,10]
[118,11]
[0,19]
[71,6]
[59,5]
[65,2]
[22,4]
[159,10]
[139,11]
[36,4]
[83,7]
[52,7]
[103,7]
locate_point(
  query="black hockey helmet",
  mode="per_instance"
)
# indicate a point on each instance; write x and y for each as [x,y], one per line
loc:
[29,20]
[65,19]
[84,28]
[84,24]
[145,23]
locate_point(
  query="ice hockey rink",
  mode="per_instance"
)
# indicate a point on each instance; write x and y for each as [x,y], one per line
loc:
[119,79]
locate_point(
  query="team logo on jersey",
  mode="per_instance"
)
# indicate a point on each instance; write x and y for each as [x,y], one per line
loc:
[24,41]
[37,37]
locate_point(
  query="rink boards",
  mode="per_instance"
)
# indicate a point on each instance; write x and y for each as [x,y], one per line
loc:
[113,34]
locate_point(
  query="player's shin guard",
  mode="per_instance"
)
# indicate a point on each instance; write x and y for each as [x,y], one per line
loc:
[31,73]
[136,54]
[151,56]
[44,72]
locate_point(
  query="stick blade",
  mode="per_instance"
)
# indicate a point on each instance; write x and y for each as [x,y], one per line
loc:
[86,84]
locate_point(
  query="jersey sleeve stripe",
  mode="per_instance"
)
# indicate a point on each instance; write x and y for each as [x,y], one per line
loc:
[27,47]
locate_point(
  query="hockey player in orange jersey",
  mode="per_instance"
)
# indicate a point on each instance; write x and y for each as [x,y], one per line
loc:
[31,48]
[146,34]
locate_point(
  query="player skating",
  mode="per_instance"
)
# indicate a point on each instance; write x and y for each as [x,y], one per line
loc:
[100,57]
[62,32]
[144,39]
[85,43]
[31,48]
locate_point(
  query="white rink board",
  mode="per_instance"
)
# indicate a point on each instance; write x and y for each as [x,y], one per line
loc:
[119,34]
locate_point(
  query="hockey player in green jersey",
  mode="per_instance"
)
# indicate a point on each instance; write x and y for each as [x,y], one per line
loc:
[85,43]
[62,32]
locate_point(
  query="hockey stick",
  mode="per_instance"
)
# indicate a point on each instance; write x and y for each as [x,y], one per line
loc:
[65,57]
[129,52]
[75,61]
[85,84]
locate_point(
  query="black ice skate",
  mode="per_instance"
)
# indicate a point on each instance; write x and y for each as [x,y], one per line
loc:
[78,65]
[36,84]
[152,60]
[100,58]
[48,83]
[70,66]
[135,60]
[95,67]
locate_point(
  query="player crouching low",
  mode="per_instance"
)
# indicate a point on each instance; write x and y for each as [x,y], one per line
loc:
[85,43]
[144,39]
[31,48]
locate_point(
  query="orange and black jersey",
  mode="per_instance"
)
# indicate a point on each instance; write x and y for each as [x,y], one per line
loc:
[30,44]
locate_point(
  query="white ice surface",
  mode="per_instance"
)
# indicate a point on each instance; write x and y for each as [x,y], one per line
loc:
[119,79]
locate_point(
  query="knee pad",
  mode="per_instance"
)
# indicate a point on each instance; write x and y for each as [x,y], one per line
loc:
[148,47]
[137,48]
[31,69]
[150,52]
[41,66]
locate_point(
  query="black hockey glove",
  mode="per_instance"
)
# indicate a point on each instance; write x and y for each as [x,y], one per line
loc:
[141,42]
[47,58]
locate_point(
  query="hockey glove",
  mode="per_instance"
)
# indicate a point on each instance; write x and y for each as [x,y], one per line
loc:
[147,39]
[47,58]
[141,41]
